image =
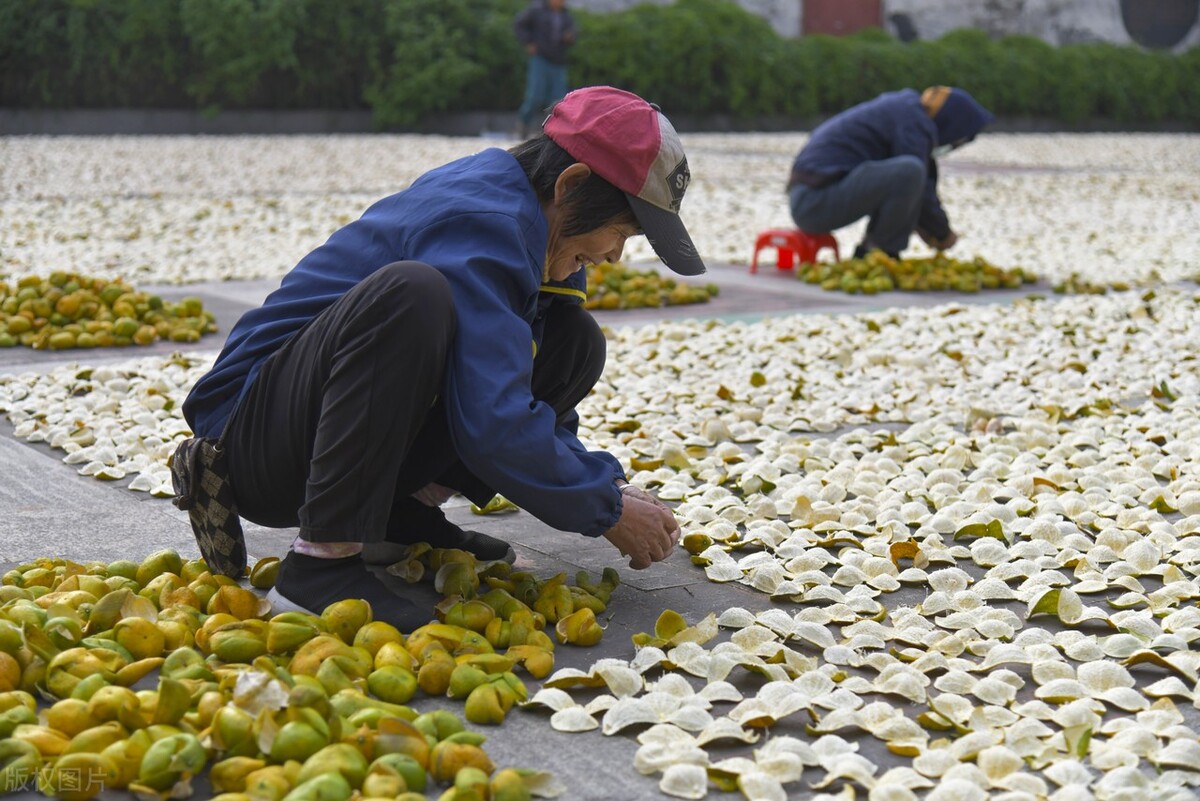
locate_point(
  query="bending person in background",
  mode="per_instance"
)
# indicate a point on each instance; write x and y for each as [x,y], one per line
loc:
[879,160]
[438,344]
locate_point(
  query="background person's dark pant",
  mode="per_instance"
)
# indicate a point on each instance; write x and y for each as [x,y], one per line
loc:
[568,364]
[343,424]
[887,191]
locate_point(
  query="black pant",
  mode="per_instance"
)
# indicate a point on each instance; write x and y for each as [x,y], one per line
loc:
[344,422]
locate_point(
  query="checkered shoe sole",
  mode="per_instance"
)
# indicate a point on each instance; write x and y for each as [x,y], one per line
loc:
[201,480]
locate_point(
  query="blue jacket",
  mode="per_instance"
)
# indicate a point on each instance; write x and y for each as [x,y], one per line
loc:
[478,221]
[892,124]
[551,32]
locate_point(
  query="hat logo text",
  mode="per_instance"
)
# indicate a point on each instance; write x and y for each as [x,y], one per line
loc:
[677,183]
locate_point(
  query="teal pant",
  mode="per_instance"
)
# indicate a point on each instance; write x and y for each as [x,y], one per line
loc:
[545,85]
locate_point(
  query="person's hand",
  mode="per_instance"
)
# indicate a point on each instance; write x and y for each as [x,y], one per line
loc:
[433,494]
[531,49]
[646,532]
[629,490]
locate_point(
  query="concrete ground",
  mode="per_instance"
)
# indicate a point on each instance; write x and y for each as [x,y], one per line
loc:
[47,509]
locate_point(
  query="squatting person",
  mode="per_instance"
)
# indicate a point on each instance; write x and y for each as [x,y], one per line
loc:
[438,344]
[879,160]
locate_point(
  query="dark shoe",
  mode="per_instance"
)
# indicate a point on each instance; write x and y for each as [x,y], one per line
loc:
[864,248]
[416,522]
[308,584]
[200,477]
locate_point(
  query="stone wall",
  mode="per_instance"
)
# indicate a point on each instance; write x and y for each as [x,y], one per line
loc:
[784,15]
[1058,22]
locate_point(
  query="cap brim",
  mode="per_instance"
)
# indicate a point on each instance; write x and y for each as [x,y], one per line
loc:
[666,234]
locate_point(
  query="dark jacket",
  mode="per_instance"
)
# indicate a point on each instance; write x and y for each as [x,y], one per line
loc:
[478,221]
[551,32]
[893,124]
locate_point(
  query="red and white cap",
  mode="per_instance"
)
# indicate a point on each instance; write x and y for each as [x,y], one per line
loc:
[629,143]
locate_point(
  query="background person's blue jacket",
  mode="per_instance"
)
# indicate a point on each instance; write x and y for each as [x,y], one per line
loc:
[478,222]
[551,32]
[892,124]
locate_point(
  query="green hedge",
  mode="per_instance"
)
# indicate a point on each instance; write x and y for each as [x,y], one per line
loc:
[407,59]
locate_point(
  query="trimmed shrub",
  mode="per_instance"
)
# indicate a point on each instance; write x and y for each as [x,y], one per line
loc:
[103,53]
[440,51]
[407,59]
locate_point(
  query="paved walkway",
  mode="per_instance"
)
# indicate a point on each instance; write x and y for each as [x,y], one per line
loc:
[47,509]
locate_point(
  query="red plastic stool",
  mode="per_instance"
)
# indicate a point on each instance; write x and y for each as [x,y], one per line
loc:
[793,245]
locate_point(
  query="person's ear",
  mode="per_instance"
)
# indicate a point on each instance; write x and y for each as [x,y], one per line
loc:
[570,179]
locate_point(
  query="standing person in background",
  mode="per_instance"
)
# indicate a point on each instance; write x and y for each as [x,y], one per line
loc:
[546,30]
[878,160]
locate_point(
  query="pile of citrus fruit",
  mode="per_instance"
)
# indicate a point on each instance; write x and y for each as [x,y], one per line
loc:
[878,272]
[66,310]
[1076,284]
[616,286]
[272,706]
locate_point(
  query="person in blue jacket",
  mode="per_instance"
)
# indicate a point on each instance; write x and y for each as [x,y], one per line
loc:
[879,160]
[438,344]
